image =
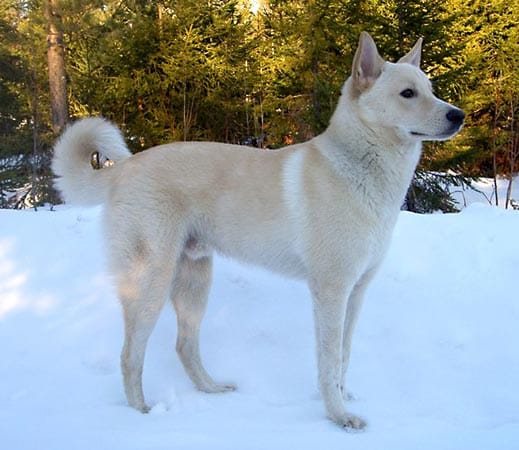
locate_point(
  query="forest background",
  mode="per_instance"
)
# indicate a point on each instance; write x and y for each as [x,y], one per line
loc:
[254,72]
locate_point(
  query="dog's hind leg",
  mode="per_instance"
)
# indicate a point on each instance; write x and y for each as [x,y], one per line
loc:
[189,296]
[143,288]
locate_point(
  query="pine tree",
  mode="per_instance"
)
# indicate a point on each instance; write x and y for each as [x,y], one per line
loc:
[217,70]
[24,148]
[56,65]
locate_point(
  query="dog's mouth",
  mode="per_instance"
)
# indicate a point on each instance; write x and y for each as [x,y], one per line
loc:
[452,131]
[455,118]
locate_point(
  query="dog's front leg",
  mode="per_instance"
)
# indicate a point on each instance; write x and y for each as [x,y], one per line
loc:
[329,312]
[352,313]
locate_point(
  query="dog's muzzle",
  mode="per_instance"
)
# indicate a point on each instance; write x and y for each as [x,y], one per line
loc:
[456,117]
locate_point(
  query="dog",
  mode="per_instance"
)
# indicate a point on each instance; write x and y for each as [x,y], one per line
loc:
[322,211]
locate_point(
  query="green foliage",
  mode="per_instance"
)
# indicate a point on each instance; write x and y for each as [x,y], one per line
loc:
[489,89]
[24,177]
[218,70]
[431,192]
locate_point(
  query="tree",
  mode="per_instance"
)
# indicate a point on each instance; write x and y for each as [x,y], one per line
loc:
[486,86]
[13,168]
[494,51]
[24,144]
[216,70]
[56,65]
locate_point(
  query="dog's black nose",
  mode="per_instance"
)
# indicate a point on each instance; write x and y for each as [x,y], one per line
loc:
[456,116]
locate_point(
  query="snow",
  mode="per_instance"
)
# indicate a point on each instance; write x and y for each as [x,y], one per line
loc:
[484,191]
[435,360]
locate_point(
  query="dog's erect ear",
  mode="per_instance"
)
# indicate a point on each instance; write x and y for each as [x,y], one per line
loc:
[367,63]
[414,56]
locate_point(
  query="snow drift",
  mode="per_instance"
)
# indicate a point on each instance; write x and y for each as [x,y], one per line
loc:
[435,361]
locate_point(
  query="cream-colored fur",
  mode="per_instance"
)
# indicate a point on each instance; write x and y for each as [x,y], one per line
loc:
[322,211]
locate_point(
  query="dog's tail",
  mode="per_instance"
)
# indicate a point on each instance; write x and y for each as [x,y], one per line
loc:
[85,158]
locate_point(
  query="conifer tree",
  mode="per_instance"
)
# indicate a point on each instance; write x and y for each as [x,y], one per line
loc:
[56,65]
[220,70]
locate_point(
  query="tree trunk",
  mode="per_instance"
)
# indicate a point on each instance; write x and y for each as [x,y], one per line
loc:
[56,63]
[512,155]
[494,146]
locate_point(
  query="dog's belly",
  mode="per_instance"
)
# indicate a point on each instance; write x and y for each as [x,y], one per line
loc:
[275,256]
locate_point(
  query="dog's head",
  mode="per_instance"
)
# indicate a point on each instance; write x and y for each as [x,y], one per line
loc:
[399,95]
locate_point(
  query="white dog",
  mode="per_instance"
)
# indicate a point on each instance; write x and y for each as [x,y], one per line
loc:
[323,211]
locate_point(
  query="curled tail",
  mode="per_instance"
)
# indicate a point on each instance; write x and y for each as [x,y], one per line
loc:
[82,179]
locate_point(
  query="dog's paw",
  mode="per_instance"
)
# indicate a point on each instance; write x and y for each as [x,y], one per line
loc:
[351,423]
[218,388]
[227,388]
[137,402]
[141,407]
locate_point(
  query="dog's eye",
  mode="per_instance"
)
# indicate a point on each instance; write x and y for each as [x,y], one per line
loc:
[407,93]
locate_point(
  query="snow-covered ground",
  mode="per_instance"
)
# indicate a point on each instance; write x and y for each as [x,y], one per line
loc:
[435,361]
[484,192]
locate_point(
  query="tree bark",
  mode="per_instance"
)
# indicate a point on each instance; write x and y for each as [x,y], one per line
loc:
[56,64]
[512,155]
[494,146]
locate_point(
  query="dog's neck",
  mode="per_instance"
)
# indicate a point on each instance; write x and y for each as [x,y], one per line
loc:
[377,162]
